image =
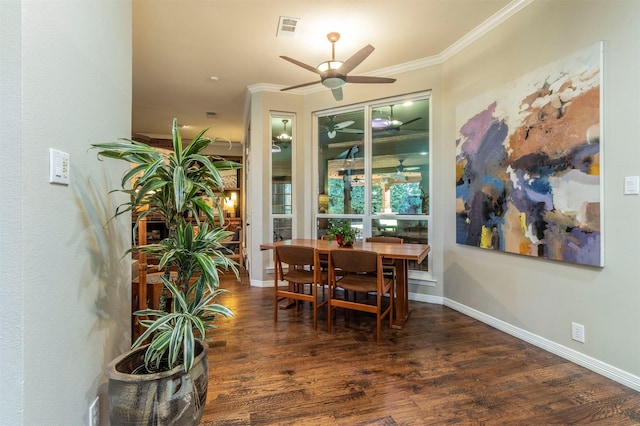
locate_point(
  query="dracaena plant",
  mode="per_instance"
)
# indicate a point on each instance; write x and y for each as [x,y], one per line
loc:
[177,185]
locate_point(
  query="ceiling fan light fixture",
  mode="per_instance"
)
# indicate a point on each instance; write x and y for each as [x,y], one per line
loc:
[333,82]
[329,65]
[284,136]
[380,123]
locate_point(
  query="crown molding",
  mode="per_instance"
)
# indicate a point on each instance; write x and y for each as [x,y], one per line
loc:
[490,24]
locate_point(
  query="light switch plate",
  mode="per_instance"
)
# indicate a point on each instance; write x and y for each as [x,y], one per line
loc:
[59,163]
[632,185]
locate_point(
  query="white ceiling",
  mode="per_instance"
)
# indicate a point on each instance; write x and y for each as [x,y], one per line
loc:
[178,45]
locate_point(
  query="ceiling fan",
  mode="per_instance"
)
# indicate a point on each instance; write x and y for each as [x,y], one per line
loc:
[387,124]
[333,128]
[382,124]
[400,170]
[333,74]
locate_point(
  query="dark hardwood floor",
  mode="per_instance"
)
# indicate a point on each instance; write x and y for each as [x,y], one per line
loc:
[442,368]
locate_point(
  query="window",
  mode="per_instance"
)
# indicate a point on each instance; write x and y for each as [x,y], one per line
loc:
[373,170]
[281,173]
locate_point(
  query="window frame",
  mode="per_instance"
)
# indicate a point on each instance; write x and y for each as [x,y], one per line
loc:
[417,276]
[281,115]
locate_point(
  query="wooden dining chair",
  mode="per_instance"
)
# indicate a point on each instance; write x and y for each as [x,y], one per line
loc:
[389,265]
[362,272]
[303,269]
[232,248]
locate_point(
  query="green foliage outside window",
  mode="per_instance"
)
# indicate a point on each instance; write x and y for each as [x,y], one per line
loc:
[405,198]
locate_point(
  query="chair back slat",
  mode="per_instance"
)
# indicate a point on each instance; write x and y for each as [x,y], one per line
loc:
[355,261]
[391,240]
[296,255]
[303,269]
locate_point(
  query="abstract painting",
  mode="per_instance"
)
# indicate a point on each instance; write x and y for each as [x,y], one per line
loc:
[528,164]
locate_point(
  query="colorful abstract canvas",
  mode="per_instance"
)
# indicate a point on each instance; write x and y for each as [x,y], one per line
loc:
[528,164]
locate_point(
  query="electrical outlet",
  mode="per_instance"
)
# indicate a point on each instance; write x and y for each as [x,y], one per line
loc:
[94,412]
[577,332]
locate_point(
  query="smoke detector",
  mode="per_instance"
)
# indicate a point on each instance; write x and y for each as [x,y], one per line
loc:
[287,26]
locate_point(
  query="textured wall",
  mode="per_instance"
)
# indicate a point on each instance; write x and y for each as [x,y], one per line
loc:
[69,299]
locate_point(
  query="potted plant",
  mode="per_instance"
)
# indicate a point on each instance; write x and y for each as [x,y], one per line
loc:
[343,233]
[163,379]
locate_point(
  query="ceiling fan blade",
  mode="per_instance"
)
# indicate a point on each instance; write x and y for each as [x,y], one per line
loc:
[343,124]
[357,131]
[302,64]
[337,93]
[411,121]
[299,85]
[356,59]
[367,79]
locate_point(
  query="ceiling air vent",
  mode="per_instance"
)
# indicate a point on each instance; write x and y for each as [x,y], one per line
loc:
[287,26]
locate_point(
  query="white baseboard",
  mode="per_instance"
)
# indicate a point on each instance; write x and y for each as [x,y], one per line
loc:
[436,300]
[261,283]
[597,366]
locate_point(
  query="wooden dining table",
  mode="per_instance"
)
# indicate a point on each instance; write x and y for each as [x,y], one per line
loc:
[400,253]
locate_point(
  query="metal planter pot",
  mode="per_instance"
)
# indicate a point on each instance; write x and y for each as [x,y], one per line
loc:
[167,398]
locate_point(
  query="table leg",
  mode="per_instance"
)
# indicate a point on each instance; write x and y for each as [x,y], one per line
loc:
[402,294]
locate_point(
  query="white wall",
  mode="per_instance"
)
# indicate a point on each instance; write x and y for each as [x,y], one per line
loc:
[11,257]
[543,297]
[259,185]
[66,298]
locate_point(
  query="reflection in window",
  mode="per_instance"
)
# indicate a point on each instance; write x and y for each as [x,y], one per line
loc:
[400,161]
[281,173]
[341,162]
[281,229]
[411,231]
[281,198]
[324,224]
[373,168]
